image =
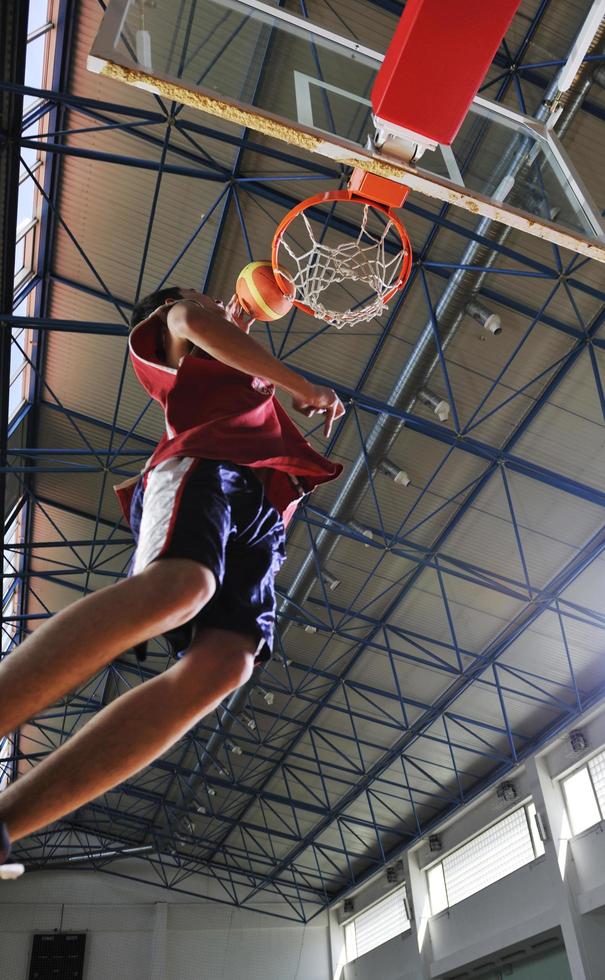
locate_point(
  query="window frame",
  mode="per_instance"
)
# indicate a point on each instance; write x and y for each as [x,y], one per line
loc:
[35,117]
[534,837]
[564,777]
[14,530]
[349,922]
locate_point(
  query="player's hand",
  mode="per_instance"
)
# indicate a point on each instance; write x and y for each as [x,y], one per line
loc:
[236,312]
[321,400]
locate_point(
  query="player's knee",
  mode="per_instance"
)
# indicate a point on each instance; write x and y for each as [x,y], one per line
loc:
[196,588]
[234,669]
[240,666]
[180,588]
[230,654]
[225,674]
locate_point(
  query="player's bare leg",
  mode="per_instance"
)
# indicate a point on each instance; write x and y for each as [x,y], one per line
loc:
[81,639]
[130,733]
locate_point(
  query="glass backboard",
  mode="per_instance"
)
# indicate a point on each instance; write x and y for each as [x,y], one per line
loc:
[254,64]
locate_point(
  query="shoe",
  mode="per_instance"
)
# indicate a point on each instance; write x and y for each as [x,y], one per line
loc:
[7,870]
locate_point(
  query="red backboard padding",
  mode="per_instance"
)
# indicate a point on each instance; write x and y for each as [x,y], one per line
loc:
[436,62]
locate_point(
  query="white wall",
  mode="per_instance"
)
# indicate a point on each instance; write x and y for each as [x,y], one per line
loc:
[588,856]
[509,912]
[140,932]
[396,960]
[391,965]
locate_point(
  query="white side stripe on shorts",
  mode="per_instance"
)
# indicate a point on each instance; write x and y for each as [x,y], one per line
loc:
[161,496]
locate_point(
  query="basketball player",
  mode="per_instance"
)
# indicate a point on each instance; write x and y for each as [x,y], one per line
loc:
[208,514]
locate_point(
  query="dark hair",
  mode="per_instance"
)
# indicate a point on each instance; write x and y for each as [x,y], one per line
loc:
[148,304]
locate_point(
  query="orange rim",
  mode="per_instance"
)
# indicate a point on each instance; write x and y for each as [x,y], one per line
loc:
[352,197]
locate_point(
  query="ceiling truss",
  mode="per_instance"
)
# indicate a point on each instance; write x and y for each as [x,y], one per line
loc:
[337,773]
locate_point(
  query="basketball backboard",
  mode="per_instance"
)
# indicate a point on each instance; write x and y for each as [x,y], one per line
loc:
[259,66]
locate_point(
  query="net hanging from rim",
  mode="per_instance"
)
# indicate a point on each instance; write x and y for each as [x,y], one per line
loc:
[379,258]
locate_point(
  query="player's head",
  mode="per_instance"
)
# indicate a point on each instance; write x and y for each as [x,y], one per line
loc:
[148,304]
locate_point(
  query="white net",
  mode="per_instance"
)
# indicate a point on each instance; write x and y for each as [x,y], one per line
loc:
[375,257]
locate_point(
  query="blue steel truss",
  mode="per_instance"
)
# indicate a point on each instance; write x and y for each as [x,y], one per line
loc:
[336,772]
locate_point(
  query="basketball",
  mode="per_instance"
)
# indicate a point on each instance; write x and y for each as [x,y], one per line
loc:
[259,293]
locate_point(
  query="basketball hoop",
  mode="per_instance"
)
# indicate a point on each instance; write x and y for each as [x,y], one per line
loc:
[379,256]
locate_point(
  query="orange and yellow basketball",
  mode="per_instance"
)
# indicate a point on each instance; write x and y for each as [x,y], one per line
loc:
[259,293]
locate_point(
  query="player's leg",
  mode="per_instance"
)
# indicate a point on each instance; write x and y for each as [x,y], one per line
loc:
[130,733]
[81,639]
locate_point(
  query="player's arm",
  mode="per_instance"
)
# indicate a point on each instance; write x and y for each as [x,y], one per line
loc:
[222,339]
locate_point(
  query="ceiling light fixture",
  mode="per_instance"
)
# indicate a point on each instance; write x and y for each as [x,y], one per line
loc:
[268,696]
[331,581]
[440,407]
[364,531]
[487,318]
[391,469]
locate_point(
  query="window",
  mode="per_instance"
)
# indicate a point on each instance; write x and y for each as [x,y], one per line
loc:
[20,353]
[584,793]
[377,924]
[10,581]
[39,24]
[437,889]
[496,852]
[6,761]
[41,39]
[40,43]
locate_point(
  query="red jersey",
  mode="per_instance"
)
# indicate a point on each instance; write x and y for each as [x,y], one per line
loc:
[213,411]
